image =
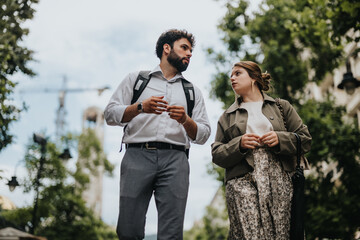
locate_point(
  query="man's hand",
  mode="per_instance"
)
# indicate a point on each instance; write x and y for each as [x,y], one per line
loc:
[177,113]
[155,105]
[270,139]
[249,141]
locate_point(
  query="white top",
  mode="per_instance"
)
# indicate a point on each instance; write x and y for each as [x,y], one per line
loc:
[152,127]
[257,123]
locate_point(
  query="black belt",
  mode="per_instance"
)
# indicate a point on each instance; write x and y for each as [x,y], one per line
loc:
[156,145]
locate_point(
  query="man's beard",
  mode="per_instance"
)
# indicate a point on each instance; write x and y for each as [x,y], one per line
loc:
[176,61]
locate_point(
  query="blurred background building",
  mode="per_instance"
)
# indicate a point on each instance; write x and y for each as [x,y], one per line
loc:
[93,119]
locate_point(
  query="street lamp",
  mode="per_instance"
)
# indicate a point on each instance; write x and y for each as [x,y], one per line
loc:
[42,142]
[13,183]
[349,82]
[66,154]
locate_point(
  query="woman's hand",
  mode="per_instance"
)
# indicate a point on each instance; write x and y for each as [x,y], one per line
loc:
[250,141]
[270,139]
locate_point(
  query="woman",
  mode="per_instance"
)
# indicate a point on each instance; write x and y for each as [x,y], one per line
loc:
[258,152]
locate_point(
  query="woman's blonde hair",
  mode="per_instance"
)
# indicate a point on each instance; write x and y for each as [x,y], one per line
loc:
[262,79]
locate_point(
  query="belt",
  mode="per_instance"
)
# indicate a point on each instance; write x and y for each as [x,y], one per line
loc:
[156,145]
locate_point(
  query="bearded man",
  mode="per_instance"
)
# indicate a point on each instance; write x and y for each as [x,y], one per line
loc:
[157,136]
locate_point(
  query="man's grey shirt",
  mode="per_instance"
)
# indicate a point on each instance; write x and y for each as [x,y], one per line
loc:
[152,127]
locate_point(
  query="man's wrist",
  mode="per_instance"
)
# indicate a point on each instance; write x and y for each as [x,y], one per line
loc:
[186,120]
[140,107]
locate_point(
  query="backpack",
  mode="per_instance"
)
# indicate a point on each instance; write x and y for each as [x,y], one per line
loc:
[143,79]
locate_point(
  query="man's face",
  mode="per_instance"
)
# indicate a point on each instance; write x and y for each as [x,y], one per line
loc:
[180,54]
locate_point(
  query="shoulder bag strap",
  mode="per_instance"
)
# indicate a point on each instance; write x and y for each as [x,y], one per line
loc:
[298,149]
[298,139]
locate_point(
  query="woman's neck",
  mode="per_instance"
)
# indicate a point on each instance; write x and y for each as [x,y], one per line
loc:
[254,97]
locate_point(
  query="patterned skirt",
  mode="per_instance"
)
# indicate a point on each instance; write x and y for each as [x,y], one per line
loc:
[259,203]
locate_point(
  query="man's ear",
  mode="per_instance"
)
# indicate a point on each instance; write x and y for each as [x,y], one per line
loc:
[166,49]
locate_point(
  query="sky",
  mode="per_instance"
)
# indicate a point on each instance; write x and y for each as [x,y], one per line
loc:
[95,44]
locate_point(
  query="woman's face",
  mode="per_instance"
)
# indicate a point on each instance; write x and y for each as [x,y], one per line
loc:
[241,81]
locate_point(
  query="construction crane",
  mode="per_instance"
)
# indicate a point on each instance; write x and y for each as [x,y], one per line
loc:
[61,111]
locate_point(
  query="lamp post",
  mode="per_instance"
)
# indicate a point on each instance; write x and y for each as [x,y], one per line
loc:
[13,183]
[349,82]
[66,154]
[42,142]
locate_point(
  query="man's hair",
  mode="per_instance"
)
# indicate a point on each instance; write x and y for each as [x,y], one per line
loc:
[170,37]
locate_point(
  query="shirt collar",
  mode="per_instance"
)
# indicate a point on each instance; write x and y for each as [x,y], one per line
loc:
[237,103]
[157,70]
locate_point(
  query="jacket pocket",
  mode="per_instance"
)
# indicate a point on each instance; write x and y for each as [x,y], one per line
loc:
[232,132]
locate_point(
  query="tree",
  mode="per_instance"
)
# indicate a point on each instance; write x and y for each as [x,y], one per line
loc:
[90,148]
[13,59]
[332,198]
[300,42]
[62,213]
[210,227]
[296,41]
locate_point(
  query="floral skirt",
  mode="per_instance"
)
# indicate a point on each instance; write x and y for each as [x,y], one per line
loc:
[259,203]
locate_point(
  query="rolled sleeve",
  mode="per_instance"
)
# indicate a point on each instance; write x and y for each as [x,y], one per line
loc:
[119,101]
[114,114]
[201,119]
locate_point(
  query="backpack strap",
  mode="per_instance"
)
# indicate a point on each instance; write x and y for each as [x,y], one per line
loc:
[190,95]
[143,79]
[141,82]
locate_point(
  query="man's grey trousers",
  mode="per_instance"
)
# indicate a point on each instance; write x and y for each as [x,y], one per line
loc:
[164,172]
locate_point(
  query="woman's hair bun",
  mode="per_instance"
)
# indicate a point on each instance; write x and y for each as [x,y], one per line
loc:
[266,77]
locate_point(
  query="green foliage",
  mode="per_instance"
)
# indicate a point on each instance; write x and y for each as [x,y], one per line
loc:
[13,59]
[91,150]
[221,88]
[344,15]
[54,170]
[333,202]
[295,41]
[90,147]
[217,172]
[211,227]
[62,212]
[20,216]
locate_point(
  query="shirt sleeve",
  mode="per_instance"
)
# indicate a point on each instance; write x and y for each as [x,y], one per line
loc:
[201,119]
[120,100]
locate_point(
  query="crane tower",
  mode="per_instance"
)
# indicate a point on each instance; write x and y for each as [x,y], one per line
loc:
[92,119]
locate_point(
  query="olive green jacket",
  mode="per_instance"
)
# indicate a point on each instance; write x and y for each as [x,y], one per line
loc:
[232,125]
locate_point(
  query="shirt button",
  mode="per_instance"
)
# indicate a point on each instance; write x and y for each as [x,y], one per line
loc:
[271,118]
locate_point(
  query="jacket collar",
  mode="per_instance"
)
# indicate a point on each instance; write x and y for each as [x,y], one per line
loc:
[236,105]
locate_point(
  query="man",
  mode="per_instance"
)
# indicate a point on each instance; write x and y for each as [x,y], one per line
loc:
[157,134]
